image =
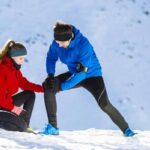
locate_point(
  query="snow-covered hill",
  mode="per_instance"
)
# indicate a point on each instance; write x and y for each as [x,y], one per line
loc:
[90,139]
[119,31]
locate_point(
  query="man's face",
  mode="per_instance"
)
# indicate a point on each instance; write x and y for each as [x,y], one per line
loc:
[63,44]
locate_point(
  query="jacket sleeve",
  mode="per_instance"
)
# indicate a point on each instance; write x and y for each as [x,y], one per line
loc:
[51,59]
[85,59]
[24,84]
[6,101]
[74,80]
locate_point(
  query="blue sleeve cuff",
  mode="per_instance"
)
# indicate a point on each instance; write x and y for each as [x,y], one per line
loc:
[73,81]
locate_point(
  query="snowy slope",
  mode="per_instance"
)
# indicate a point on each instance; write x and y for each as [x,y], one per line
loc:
[90,139]
[119,31]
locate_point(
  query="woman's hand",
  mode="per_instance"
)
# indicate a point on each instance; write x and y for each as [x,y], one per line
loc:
[17,110]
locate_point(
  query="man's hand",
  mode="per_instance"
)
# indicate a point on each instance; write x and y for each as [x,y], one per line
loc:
[52,84]
[49,82]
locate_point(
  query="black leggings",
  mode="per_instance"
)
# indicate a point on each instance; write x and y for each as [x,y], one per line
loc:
[27,99]
[96,87]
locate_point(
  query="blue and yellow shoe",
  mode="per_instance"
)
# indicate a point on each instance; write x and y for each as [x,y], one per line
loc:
[50,130]
[128,132]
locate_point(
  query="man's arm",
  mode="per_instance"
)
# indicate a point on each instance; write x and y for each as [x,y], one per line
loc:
[82,66]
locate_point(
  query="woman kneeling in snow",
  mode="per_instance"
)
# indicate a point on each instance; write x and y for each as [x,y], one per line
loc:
[11,79]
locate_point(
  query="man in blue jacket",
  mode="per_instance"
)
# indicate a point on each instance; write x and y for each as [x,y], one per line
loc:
[74,50]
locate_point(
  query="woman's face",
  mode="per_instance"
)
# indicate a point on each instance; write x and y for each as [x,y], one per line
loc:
[63,44]
[19,59]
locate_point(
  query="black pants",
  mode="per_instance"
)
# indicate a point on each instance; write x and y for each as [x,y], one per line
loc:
[96,87]
[27,99]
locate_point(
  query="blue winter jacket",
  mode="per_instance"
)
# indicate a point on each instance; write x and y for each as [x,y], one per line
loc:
[79,50]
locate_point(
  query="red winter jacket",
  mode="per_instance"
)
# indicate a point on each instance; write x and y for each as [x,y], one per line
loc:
[10,81]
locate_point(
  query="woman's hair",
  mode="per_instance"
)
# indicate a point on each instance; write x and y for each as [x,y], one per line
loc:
[10,45]
[15,46]
[5,48]
[62,31]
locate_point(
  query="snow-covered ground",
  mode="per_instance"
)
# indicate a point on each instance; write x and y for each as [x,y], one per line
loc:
[119,31]
[90,139]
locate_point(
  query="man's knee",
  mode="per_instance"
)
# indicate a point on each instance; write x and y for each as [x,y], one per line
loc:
[103,101]
[49,92]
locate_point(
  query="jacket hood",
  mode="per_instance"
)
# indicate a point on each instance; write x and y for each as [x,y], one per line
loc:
[77,37]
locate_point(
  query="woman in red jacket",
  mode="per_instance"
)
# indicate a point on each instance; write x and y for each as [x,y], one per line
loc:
[11,79]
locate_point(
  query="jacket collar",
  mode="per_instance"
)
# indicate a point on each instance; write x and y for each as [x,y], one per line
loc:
[8,62]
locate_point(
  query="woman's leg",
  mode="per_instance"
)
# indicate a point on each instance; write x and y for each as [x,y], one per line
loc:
[50,101]
[27,99]
[97,88]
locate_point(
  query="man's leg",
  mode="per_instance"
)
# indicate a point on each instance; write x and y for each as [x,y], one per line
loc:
[50,101]
[97,88]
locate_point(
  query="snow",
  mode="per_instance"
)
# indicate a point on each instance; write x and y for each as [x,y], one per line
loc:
[91,139]
[119,31]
